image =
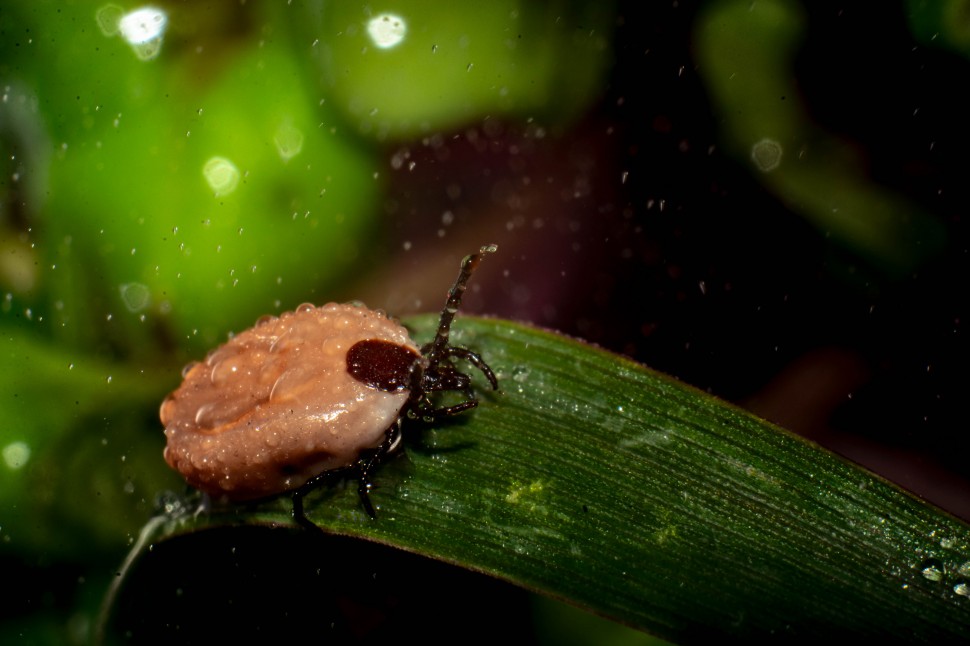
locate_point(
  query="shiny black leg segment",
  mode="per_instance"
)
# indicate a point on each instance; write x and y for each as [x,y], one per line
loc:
[369,461]
[363,469]
[476,360]
[448,411]
[471,357]
[326,478]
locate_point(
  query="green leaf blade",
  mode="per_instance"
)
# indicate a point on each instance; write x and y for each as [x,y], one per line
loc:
[600,482]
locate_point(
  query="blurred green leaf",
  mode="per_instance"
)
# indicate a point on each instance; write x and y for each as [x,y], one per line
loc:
[746,56]
[423,67]
[941,23]
[186,194]
[598,481]
[80,466]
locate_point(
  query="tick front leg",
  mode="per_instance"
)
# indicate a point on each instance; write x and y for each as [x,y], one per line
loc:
[476,360]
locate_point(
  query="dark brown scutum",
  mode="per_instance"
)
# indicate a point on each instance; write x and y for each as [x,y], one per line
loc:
[381,364]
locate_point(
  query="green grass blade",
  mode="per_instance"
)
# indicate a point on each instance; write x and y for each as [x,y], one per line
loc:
[595,480]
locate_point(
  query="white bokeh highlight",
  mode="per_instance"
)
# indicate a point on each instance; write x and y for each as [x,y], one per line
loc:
[221,175]
[142,28]
[766,155]
[387,30]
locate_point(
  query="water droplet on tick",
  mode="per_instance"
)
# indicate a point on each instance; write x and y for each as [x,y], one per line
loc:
[223,372]
[306,307]
[932,570]
[202,415]
[188,368]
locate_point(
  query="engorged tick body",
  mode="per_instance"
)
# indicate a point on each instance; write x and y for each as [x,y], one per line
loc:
[316,393]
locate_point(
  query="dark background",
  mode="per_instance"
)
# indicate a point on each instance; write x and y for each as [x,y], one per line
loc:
[639,234]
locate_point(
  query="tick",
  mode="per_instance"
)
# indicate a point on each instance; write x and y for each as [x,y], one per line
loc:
[310,396]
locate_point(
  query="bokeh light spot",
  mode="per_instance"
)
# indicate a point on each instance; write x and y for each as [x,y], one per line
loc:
[143,29]
[135,296]
[108,18]
[16,454]
[766,155]
[289,142]
[387,30]
[221,175]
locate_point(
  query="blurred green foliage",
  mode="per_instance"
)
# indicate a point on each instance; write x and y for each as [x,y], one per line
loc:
[941,23]
[130,201]
[170,176]
[155,196]
[530,60]
[746,55]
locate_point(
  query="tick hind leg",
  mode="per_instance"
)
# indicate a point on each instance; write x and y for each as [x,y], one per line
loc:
[368,462]
[362,470]
[328,478]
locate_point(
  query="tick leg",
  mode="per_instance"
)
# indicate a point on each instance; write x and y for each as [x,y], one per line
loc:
[298,516]
[448,411]
[298,494]
[368,463]
[476,360]
[363,492]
